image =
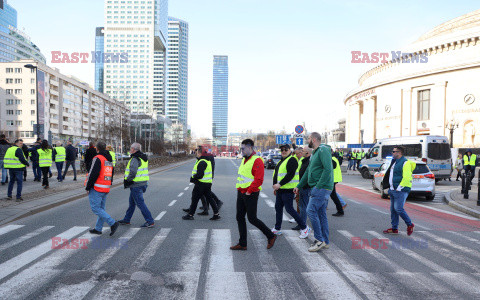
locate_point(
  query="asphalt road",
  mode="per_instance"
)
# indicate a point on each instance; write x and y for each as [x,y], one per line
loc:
[191,259]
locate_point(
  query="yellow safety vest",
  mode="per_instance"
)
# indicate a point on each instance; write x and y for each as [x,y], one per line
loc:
[245,176]
[337,172]
[282,172]
[60,154]
[142,172]
[207,174]
[10,161]
[44,158]
[470,162]
[114,161]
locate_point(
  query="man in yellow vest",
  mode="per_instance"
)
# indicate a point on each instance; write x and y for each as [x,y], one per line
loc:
[285,179]
[202,177]
[15,162]
[469,162]
[136,178]
[59,155]
[249,185]
[337,177]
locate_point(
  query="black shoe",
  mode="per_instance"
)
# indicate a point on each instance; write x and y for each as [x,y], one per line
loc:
[186,209]
[203,208]
[74,179]
[215,217]
[46,187]
[24,179]
[50,175]
[123,222]
[203,213]
[455,180]
[338,214]
[219,204]
[188,217]
[94,231]
[114,228]
[296,227]
[3,183]
[19,199]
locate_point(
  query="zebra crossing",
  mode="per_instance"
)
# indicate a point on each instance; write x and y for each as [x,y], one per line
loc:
[206,268]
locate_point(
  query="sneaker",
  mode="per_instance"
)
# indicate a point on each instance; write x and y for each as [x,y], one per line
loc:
[316,246]
[296,227]
[271,242]
[203,213]
[94,231]
[410,229]
[304,233]
[9,198]
[291,220]
[215,217]
[337,214]
[238,247]
[390,231]
[188,217]
[276,232]
[146,225]
[3,183]
[326,246]
[344,206]
[21,199]
[123,222]
[46,187]
[114,228]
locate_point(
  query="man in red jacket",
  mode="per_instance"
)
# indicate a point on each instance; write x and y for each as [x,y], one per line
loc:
[249,185]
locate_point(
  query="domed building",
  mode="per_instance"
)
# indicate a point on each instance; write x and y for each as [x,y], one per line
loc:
[431,84]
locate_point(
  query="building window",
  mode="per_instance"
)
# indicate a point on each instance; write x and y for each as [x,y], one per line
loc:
[18,70]
[10,123]
[18,123]
[9,111]
[32,102]
[18,101]
[9,70]
[18,80]
[9,80]
[32,81]
[18,112]
[32,112]
[32,91]
[9,91]
[18,91]
[9,101]
[423,105]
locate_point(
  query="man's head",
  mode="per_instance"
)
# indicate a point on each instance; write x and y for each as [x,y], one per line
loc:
[109,148]
[469,152]
[19,143]
[299,152]
[314,140]
[135,147]
[58,143]
[2,136]
[101,146]
[307,151]
[398,152]
[36,143]
[39,140]
[69,143]
[199,151]
[285,150]
[247,147]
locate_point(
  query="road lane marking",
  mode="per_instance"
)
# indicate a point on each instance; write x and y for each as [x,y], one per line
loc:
[382,212]
[285,218]
[474,240]
[186,188]
[226,285]
[192,258]
[9,228]
[267,261]
[221,257]
[160,215]
[446,212]
[263,195]
[270,202]
[444,241]
[180,195]
[190,183]
[278,285]
[150,249]
[25,237]
[172,203]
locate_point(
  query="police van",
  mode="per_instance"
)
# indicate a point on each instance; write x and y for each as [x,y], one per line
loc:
[434,150]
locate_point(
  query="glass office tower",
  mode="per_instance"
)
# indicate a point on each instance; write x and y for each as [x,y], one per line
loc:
[220,100]
[99,45]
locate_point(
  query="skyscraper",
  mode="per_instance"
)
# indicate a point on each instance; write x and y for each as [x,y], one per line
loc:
[139,28]
[99,68]
[177,65]
[220,99]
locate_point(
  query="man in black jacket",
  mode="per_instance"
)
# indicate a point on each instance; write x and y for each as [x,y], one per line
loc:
[304,193]
[70,157]
[16,172]
[37,172]
[89,155]
[4,145]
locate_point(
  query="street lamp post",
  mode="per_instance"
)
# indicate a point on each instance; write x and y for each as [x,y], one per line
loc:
[451,126]
[32,67]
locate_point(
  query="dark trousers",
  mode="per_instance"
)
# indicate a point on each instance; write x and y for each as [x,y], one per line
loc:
[37,172]
[358,163]
[205,203]
[45,171]
[25,174]
[247,205]
[284,198]
[202,189]
[335,199]
[471,169]
[15,175]
[68,164]
[59,170]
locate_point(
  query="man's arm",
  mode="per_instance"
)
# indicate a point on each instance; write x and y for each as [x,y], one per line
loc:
[201,167]
[325,159]
[20,155]
[93,173]
[258,172]
[292,167]
[134,164]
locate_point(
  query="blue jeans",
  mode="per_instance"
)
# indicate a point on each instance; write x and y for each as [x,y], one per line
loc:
[341,200]
[303,203]
[317,213]
[4,172]
[68,164]
[97,203]
[15,175]
[136,199]
[37,171]
[59,170]
[285,198]
[397,201]
[350,164]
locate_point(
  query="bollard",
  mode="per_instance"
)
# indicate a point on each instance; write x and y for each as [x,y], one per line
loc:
[468,184]
[463,182]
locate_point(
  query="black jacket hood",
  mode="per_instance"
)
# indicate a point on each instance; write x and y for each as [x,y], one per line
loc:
[106,154]
[141,155]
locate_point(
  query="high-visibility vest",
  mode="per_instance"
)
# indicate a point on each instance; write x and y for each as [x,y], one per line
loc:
[60,154]
[363,154]
[10,161]
[337,172]
[142,172]
[114,161]
[104,179]
[282,172]
[207,174]
[44,157]
[245,176]
[471,162]
[358,156]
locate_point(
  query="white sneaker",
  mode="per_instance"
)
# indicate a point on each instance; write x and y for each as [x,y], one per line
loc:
[291,220]
[326,246]
[276,232]
[304,233]
[316,246]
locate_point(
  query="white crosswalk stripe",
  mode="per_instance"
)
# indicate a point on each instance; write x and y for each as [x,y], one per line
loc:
[8,228]
[25,237]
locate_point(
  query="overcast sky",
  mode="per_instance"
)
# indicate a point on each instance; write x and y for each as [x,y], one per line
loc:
[289,61]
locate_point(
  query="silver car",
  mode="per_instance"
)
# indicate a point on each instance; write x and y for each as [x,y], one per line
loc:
[423,180]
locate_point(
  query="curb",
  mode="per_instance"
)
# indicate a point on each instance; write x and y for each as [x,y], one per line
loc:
[48,206]
[469,211]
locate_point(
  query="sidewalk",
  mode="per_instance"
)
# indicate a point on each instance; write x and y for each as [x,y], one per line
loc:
[36,199]
[469,206]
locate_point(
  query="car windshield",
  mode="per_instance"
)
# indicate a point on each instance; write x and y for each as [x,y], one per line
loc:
[265,153]
[421,169]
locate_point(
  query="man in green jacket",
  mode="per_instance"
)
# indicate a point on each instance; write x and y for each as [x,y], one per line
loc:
[318,179]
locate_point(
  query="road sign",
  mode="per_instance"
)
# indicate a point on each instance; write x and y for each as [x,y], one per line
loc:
[296,136]
[83,143]
[282,139]
[299,141]
[299,129]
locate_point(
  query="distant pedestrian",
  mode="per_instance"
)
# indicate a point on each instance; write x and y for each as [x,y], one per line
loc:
[337,177]
[304,193]
[98,185]
[112,154]
[350,160]
[27,155]
[459,165]
[360,155]
[4,145]
[398,181]
[37,171]
[90,153]
[45,161]
[16,162]
[136,179]
[70,158]
[249,184]
[59,154]
[318,178]
[469,162]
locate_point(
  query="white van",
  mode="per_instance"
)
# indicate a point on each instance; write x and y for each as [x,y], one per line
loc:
[431,149]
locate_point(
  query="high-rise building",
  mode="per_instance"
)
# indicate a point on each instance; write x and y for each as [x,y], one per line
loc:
[99,68]
[139,29]
[14,43]
[177,68]
[220,99]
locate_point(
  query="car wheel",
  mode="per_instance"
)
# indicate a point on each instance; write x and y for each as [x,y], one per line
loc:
[430,197]
[366,174]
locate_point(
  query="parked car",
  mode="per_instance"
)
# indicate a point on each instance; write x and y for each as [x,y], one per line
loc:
[272,160]
[265,155]
[423,180]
